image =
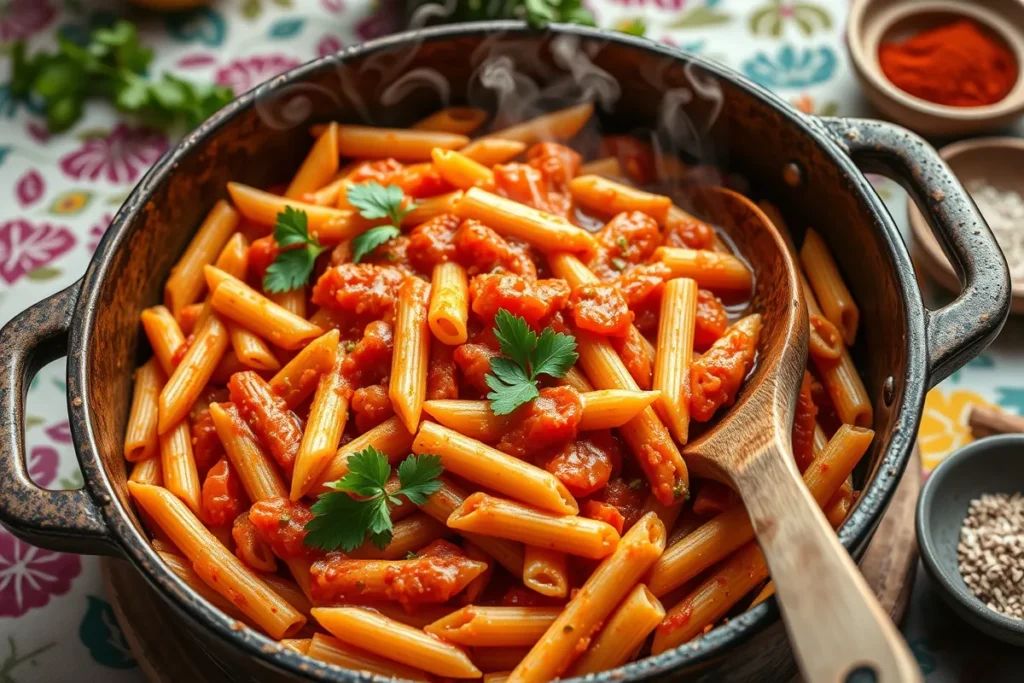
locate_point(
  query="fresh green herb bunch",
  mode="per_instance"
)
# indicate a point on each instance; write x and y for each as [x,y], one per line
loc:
[112,66]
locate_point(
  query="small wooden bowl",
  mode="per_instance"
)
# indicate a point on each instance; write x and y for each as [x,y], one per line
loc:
[872,22]
[1000,161]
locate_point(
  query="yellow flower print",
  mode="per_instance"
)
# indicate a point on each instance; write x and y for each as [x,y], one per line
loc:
[944,423]
[70,202]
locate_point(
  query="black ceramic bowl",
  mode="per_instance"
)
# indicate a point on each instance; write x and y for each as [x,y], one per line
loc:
[991,465]
[709,113]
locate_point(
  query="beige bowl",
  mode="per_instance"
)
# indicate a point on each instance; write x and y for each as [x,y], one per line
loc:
[1000,161]
[872,22]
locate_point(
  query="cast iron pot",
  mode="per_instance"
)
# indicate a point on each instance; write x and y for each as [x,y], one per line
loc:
[811,167]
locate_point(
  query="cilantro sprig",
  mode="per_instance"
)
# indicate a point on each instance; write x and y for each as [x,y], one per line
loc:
[111,65]
[343,521]
[374,202]
[513,377]
[292,267]
[539,13]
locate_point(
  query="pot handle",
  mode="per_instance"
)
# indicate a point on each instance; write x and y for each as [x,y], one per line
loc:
[958,332]
[65,521]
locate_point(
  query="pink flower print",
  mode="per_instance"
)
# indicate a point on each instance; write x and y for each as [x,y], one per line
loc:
[60,432]
[30,575]
[25,247]
[119,157]
[387,19]
[30,188]
[333,6]
[42,465]
[19,19]
[38,131]
[97,231]
[245,74]
[328,45]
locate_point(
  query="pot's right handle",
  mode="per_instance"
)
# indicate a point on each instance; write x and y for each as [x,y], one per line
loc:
[65,521]
[960,331]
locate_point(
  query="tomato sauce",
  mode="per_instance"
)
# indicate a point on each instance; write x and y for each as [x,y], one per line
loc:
[268,415]
[803,425]
[223,497]
[282,524]
[600,309]
[533,300]
[716,376]
[585,464]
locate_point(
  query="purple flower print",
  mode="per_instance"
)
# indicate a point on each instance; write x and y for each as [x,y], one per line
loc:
[38,131]
[387,19]
[25,247]
[119,157]
[333,6]
[19,19]
[328,45]
[42,465]
[30,575]
[29,188]
[245,74]
[60,432]
[97,231]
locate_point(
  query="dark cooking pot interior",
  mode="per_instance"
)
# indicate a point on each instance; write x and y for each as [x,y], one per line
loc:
[701,114]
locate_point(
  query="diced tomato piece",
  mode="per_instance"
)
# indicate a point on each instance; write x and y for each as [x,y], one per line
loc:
[223,496]
[250,547]
[625,496]
[383,172]
[262,253]
[711,320]
[532,300]
[603,512]
[635,157]
[558,164]
[600,309]
[475,362]
[441,380]
[527,185]
[643,284]
[635,353]
[551,419]
[278,427]
[282,524]
[362,289]
[684,230]
[481,250]
[628,238]
[433,242]
[369,361]
[584,465]
[372,406]
[716,376]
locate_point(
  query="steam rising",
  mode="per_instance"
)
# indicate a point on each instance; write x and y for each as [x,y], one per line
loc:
[512,76]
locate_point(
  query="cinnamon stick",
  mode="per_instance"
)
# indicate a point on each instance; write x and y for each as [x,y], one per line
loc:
[988,421]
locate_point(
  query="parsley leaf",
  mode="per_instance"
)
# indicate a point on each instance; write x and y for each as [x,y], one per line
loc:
[341,521]
[111,65]
[293,265]
[374,202]
[513,379]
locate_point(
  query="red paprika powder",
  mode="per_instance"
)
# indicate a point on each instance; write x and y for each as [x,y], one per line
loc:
[957,64]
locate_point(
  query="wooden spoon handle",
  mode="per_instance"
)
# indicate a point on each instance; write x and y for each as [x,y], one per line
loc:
[838,631]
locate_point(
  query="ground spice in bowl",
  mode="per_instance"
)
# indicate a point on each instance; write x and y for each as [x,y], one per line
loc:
[1004,213]
[957,64]
[991,552]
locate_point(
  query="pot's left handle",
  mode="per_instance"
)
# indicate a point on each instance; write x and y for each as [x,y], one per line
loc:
[958,332]
[65,521]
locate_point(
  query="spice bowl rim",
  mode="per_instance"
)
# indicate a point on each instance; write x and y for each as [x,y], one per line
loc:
[915,112]
[947,579]
[926,249]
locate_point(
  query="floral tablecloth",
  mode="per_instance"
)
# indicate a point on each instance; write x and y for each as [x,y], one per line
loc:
[59,193]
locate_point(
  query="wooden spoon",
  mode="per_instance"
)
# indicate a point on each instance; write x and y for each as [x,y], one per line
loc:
[836,627]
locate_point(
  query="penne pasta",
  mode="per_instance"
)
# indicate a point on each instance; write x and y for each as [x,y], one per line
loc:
[297,379]
[333,651]
[320,165]
[490,516]
[393,639]
[148,471]
[329,225]
[608,167]
[449,303]
[494,626]
[431,207]
[558,125]
[493,469]
[186,283]
[712,599]
[234,257]
[459,120]
[178,466]
[408,386]
[221,570]
[512,219]
[721,535]
[441,504]
[254,466]
[239,302]
[766,592]
[320,440]
[502,659]
[577,380]
[408,536]
[624,634]
[300,645]
[140,439]
[193,372]
[462,172]
[846,389]
[613,408]
[367,142]
[182,568]
[829,289]
[293,301]
[711,269]
[675,350]
[608,197]
[610,583]
[289,591]
[546,571]
[490,151]
[164,335]
[477,586]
